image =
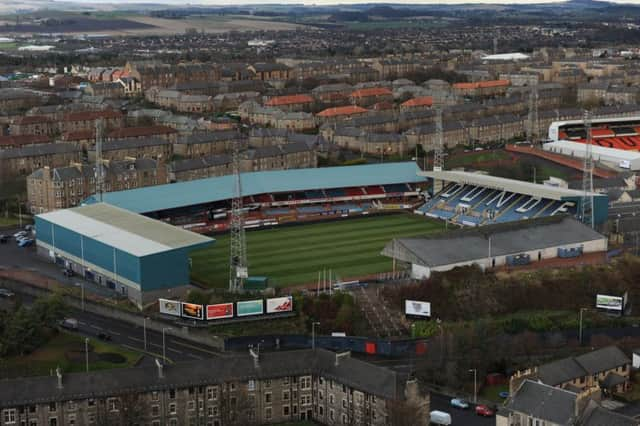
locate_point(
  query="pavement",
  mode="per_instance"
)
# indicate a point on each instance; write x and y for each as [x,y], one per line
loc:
[459,417]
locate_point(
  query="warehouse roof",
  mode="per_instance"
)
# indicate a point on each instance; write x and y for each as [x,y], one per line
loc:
[470,244]
[182,194]
[126,231]
[504,184]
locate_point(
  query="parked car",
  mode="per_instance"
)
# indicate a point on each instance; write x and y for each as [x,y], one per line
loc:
[6,293]
[459,403]
[67,272]
[104,336]
[69,323]
[20,234]
[4,239]
[485,411]
[440,418]
[25,243]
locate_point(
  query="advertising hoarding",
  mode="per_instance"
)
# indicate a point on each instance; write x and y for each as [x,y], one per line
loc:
[280,304]
[417,308]
[169,307]
[221,310]
[249,307]
[193,311]
[614,303]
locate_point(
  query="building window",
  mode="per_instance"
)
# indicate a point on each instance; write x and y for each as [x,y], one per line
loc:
[52,407]
[173,422]
[9,416]
[321,410]
[71,406]
[155,410]
[331,415]
[285,410]
[267,413]
[172,394]
[267,383]
[331,400]
[285,380]
[267,398]
[344,403]
[53,421]
[155,396]
[251,385]
[200,404]
[112,403]
[285,395]
[191,405]
[91,402]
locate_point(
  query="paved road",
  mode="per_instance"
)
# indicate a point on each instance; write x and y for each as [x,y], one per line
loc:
[133,337]
[459,417]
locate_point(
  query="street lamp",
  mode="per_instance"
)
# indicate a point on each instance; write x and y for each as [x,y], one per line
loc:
[164,348]
[475,384]
[81,285]
[313,334]
[580,326]
[86,354]
[144,332]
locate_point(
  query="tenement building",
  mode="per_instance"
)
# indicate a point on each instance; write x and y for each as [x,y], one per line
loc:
[245,389]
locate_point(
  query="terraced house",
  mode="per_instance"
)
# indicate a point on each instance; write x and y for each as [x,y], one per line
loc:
[246,389]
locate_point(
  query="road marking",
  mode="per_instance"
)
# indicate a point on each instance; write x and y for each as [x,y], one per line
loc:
[175,350]
[135,338]
[195,348]
[96,327]
[195,356]
[82,323]
[114,333]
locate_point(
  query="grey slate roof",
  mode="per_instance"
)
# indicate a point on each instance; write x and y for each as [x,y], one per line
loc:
[560,371]
[602,359]
[466,245]
[352,372]
[595,415]
[210,137]
[118,144]
[200,162]
[40,149]
[544,402]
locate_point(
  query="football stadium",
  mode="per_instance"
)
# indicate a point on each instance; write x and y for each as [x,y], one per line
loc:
[615,141]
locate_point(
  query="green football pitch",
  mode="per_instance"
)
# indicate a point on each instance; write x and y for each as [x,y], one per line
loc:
[294,254]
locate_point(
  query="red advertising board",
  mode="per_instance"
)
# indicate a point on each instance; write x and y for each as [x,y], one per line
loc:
[222,310]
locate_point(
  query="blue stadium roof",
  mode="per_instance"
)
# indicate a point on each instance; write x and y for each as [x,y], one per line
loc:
[194,192]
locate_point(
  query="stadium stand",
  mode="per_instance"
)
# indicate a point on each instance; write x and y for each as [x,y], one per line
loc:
[473,199]
[275,197]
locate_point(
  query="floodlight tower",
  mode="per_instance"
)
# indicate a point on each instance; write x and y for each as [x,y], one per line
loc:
[99,173]
[438,152]
[238,271]
[586,206]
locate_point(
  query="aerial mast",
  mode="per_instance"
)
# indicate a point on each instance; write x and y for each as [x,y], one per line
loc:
[99,173]
[238,270]
[586,206]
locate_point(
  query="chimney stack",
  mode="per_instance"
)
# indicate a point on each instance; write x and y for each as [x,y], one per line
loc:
[160,369]
[59,375]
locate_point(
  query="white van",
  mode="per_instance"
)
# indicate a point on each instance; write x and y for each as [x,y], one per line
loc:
[440,418]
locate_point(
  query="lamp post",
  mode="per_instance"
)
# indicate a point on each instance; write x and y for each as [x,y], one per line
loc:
[164,347]
[580,326]
[144,332]
[86,354]
[81,285]
[313,334]
[475,384]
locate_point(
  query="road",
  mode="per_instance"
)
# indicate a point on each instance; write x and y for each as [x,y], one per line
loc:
[459,417]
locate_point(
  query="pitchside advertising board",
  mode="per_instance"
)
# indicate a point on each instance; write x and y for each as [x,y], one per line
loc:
[219,311]
[279,304]
[193,311]
[250,307]
[416,308]
[170,307]
[610,303]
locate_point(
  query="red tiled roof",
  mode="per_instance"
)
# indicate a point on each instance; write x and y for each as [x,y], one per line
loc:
[80,135]
[381,106]
[482,84]
[131,132]
[420,101]
[92,115]
[344,110]
[32,119]
[23,140]
[371,91]
[289,100]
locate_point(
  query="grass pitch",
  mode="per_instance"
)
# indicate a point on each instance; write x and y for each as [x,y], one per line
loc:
[294,254]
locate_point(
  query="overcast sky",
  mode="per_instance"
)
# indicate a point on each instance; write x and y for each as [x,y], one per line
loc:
[330,2]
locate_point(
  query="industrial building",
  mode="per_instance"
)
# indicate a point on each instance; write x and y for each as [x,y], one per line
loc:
[514,243]
[139,257]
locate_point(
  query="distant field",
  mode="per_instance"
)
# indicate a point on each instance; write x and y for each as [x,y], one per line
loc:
[210,24]
[294,255]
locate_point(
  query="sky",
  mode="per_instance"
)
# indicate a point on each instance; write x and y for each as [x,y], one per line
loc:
[331,2]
